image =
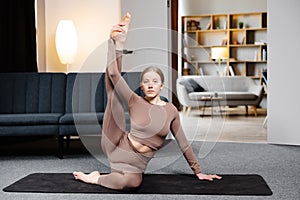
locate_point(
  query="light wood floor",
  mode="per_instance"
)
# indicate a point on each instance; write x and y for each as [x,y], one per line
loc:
[234,126]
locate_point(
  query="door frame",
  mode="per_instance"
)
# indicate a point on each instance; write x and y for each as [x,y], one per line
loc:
[174,49]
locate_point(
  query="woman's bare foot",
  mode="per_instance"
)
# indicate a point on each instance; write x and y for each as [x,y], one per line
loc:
[119,32]
[87,178]
[122,26]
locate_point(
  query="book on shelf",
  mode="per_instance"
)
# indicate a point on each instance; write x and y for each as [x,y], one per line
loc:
[201,71]
[224,41]
[208,26]
[243,40]
[228,71]
[231,72]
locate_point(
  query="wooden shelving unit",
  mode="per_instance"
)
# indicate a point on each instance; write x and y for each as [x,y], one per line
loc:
[247,45]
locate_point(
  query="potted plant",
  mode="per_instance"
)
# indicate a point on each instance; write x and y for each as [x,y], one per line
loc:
[241,24]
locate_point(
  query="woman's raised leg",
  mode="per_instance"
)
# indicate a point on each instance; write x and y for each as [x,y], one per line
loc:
[114,124]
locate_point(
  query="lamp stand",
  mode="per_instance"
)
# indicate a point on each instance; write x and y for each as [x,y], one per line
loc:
[67,68]
[218,70]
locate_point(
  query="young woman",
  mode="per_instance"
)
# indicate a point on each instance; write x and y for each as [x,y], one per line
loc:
[150,118]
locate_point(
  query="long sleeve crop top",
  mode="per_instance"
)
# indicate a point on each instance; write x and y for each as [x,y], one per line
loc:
[150,123]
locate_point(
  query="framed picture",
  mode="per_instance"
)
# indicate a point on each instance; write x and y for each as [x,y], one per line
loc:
[193,25]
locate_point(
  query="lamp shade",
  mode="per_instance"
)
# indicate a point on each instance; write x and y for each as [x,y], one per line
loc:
[219,53]
[66,41]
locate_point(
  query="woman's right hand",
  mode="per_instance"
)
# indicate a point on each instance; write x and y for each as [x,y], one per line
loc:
[118,33]
[208,177]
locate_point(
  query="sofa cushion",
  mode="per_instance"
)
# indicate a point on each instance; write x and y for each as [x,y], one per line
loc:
[192,86]
[29,119]
[86,118]
[82,118]
[32,93]
[29,130]
[85,92]
[226,95]
[239,95]
[80,129]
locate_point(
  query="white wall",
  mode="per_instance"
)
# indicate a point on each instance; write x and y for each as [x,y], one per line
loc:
[283,72]
[148,37]
[93,20]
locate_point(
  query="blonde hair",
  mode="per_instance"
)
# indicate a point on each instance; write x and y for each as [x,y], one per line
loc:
[153,69]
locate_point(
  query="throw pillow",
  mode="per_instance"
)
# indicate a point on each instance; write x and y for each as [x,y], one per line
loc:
[192,86]
[196,86]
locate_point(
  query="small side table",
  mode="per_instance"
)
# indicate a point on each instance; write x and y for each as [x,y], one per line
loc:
[212,99]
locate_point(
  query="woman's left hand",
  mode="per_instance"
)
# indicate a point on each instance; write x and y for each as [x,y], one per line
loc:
[209,177]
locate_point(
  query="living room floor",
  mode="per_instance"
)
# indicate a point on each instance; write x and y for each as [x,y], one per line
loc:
[250,154]
[233,126]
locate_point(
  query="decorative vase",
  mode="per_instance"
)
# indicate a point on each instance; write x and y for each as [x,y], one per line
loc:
[241,24]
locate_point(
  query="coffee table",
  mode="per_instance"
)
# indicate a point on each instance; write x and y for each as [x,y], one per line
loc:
[212,99]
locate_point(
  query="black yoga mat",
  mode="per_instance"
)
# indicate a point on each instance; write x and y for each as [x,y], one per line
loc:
[152,184]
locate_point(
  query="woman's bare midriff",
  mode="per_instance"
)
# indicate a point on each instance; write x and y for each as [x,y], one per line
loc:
[141,148]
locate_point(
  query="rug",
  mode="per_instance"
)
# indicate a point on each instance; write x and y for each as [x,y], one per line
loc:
[188,184]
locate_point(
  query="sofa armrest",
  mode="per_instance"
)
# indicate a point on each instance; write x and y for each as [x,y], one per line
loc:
[182,94]
[256,89]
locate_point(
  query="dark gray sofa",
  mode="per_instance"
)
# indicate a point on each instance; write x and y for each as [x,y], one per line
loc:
[56,104]
[31,103]
[86,102]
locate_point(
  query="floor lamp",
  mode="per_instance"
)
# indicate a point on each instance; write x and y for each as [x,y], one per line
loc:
[66,42]
[219,53]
